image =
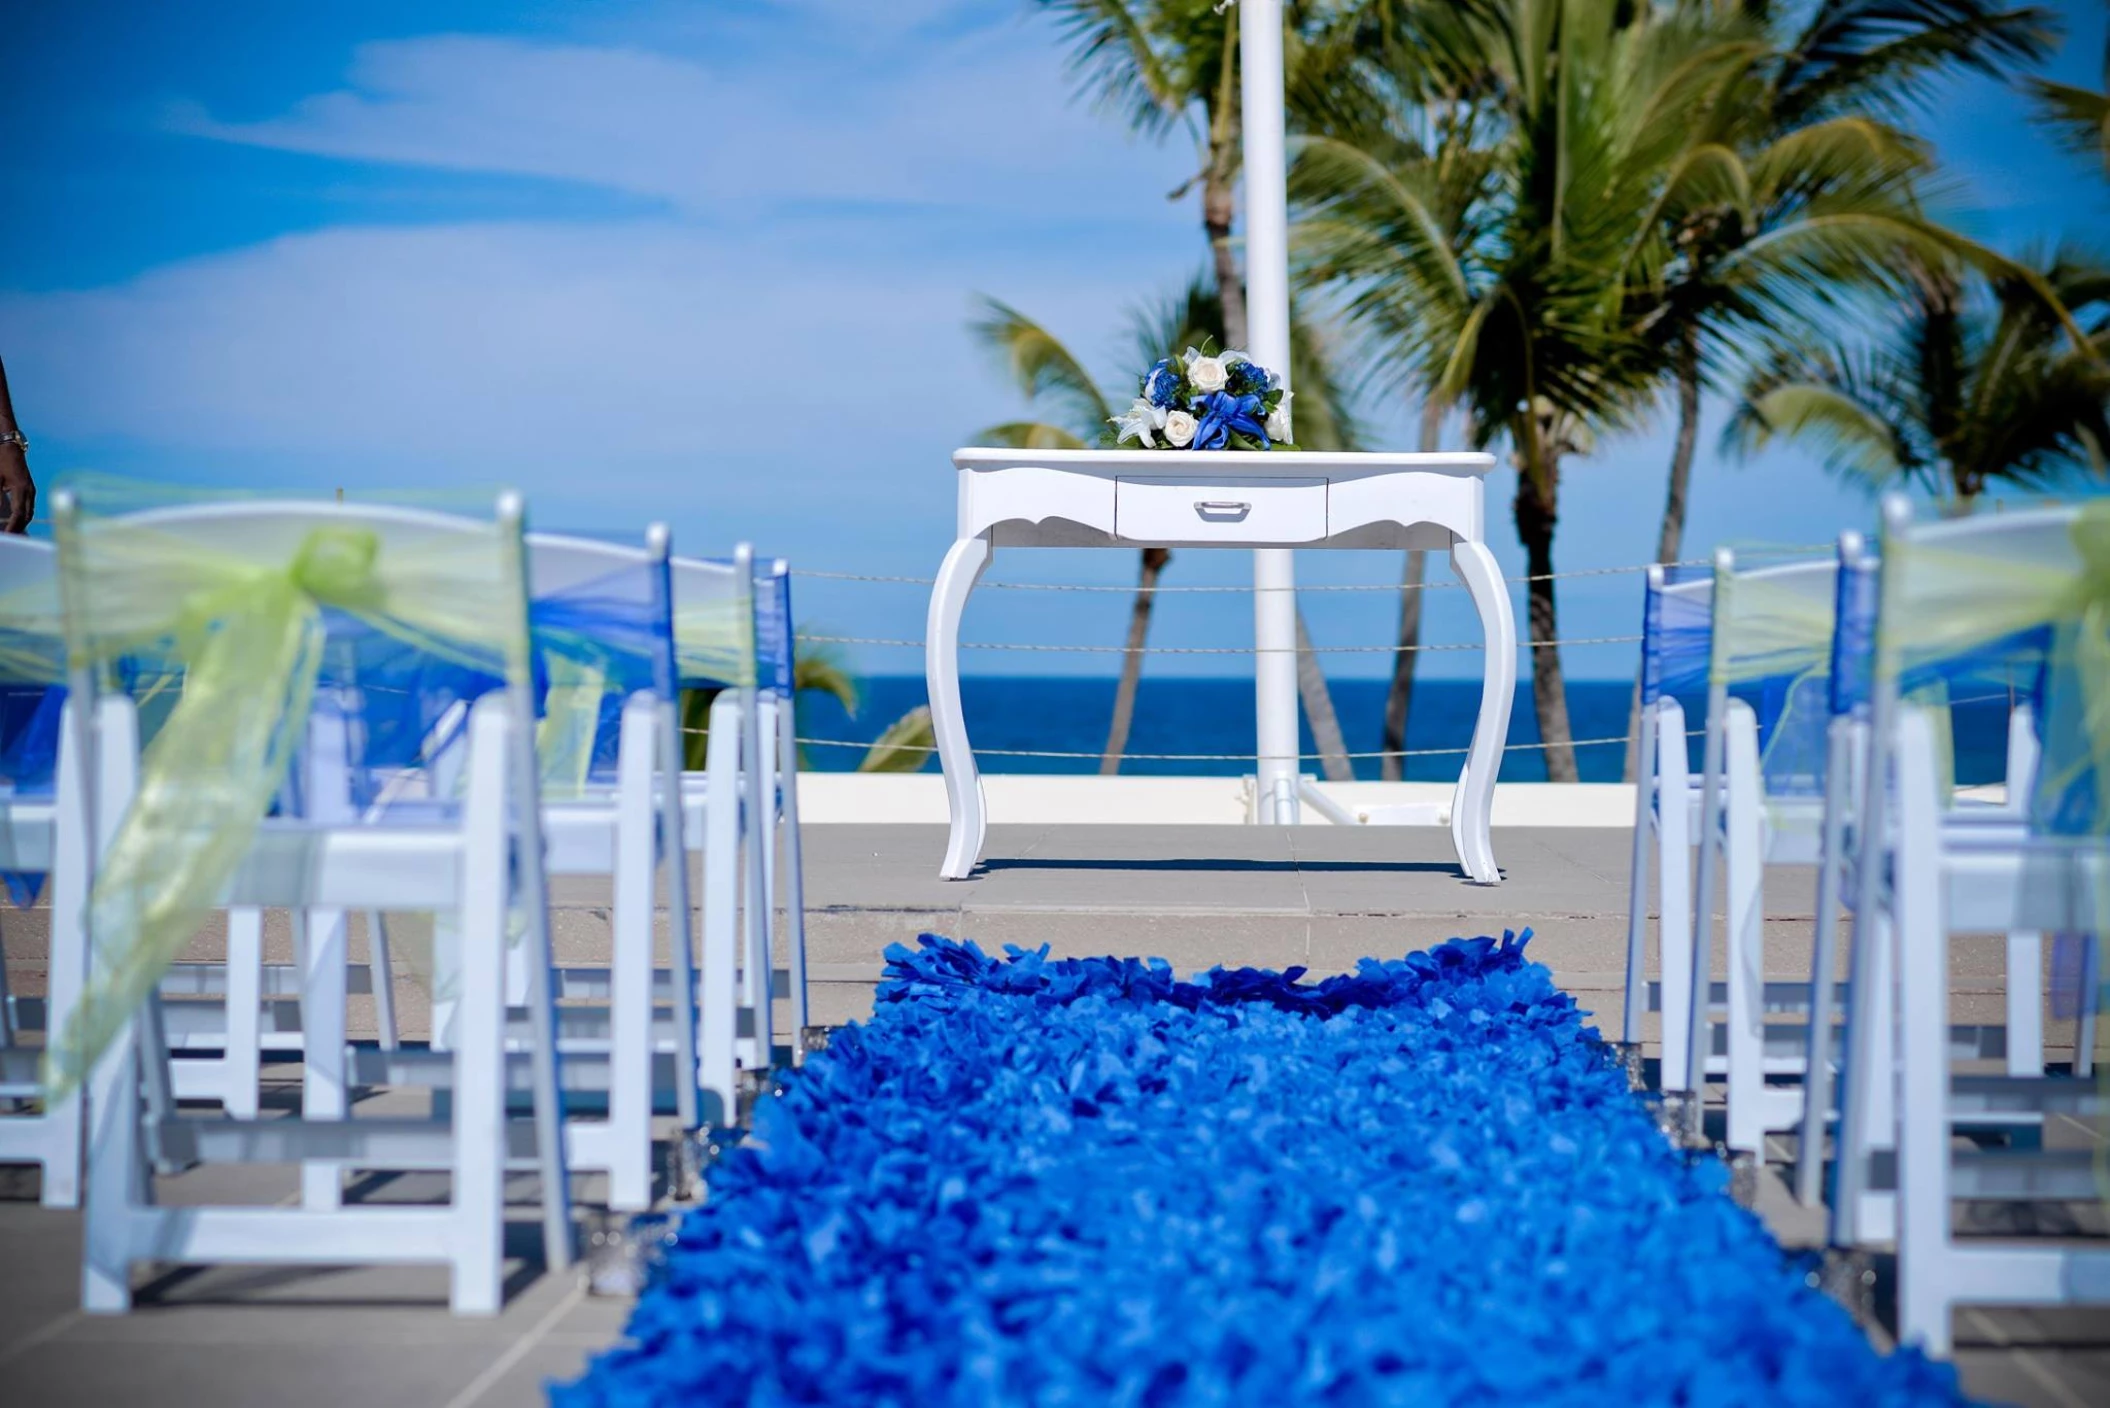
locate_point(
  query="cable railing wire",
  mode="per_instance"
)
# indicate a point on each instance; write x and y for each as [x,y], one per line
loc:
[1166,591]
[1573,575]
[1196,757]
[1248,757]
[1221,649]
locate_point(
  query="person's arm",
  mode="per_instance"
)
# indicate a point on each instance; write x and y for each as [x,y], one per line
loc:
[14,464]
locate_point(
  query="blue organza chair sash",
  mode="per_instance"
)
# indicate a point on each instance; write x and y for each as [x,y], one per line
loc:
[1677,633]
[1854,636]
[774,636]
[594,644]
[597,643]
[32,700]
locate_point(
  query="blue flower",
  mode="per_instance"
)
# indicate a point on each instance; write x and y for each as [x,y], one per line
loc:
[1250,379]
[1161,386]
[1222,413]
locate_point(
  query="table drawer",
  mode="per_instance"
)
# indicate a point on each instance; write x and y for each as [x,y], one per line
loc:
[1197,509]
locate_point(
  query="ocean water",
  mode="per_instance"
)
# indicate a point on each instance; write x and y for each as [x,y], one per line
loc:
[1011,714]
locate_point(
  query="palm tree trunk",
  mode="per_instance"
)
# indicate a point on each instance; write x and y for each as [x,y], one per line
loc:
[1218,203]
[1670,541]
[1537,511]
[1154,562]
[1219,191]
[1399,699]
[1318,711]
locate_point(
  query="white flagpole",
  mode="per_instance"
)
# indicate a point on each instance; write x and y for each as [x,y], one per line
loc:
[1267,325]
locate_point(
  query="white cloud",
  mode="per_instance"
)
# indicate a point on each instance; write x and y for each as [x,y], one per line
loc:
[986,120]
[492,340]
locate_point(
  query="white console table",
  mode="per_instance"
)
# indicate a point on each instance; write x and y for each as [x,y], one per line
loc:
[1133,498]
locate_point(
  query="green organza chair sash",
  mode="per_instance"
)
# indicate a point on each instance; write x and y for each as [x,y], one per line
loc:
[1772,640]
[219,600]
[2026,602]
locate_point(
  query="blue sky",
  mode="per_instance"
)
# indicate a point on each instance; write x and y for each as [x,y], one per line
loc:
[706,262]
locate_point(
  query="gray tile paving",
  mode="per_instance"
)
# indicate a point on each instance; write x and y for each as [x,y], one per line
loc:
[1317,896]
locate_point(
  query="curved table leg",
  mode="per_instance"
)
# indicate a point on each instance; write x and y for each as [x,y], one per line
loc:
[941,670]
[1472,805]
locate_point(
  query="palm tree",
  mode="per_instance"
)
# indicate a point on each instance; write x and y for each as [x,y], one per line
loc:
[1810,188]
[1807,193]
[1172,65]
[1496,237]
[1048,372]
[1969,388]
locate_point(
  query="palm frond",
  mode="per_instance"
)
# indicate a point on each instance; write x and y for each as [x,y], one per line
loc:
[1884,56]
[904,746]
[1032,435]
[1042,367]
[1141,61]
[2078,117]
[1854,437]
[819,667]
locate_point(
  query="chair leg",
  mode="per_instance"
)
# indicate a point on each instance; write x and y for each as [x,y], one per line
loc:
[721,895]
[446,977]
[759,984]
[1925,1289]
[381,970]
[67,1116]
[674,854]
[479,1115]
[1637,886]
[630,970]
[116,1170]
[2025,1003]
[1744,1014]
[2090,1013]
[242,1061]
[794,872]
[1824,964]
[319,943]
[1674,893]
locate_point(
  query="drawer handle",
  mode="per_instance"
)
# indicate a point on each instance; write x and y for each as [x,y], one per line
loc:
[1231,509]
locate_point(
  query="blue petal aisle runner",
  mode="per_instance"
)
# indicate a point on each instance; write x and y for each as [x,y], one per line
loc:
[1086,1182]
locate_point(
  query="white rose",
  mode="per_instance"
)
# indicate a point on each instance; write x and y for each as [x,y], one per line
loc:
[1179,430]
[1278,420]
[1206,374]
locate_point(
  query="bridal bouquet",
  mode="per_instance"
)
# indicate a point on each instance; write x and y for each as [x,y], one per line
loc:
[1199,401]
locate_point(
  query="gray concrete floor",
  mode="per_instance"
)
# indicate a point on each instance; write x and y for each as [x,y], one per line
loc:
[1318,897]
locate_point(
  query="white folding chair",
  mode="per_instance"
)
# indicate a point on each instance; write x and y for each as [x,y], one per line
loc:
[1676,625]
[1948,590]
[1772,635]
[600,613]
[479,861]
[715,629]
[623,830]
[1846,750]
[42,832]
